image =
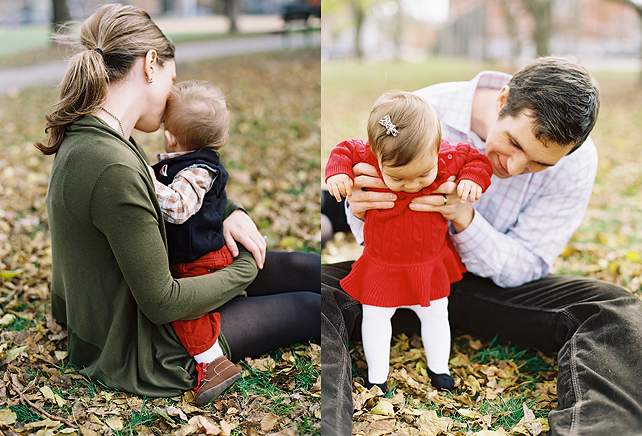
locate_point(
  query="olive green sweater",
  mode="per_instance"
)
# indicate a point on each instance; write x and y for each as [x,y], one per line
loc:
[111,284]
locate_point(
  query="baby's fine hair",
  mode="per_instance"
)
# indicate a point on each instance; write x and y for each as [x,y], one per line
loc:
[197,115]
[416,121]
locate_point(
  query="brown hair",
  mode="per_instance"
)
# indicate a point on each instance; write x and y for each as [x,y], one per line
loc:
[111,40]
[561,97]
[197,115]
[416,121]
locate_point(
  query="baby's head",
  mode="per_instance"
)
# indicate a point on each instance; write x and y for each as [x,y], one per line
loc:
[404,135]
[196,117]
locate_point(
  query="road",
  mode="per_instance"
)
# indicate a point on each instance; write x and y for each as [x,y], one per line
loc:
[50,73]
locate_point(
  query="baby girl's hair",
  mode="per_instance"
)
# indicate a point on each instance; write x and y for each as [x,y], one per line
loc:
[197,115]
[415,121]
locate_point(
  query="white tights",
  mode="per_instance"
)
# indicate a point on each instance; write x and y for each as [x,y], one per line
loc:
[376,333]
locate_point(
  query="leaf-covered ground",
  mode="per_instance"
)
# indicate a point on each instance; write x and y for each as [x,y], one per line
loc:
[273,159]
[500,389]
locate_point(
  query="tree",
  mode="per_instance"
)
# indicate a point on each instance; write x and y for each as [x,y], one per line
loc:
[542,13]
[232,12]
[359,9]
[61,14]
[637,7]
[512,11]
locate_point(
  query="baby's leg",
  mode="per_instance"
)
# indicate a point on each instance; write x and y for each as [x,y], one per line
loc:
[435,333]
[376,333]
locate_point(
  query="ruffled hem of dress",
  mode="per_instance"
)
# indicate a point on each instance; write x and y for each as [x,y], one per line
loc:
[377,284]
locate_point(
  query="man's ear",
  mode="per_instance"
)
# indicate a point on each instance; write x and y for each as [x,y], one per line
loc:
[501,98]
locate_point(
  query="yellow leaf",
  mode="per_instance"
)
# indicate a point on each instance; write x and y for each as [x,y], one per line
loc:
[7,417]
[430,423]
[7,319]
[60,354]
[421,368]
[468,413]
[634,256]
[11,274]
[384,407]
[115,423]
[15,352]
[51,396]
[269,421]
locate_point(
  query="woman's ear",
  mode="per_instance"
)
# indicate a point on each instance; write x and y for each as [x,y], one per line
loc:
[501,98]
[151,61]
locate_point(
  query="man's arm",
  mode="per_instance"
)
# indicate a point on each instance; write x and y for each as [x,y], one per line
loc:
[520,244]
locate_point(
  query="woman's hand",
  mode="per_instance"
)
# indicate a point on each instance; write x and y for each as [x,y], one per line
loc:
[366,176]
[240,227]
[444,200]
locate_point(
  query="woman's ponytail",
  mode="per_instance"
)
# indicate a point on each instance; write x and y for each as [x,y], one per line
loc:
[82,91]
[111,40]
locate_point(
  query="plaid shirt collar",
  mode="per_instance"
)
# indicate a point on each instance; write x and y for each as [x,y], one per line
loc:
[460,119]
[163,156]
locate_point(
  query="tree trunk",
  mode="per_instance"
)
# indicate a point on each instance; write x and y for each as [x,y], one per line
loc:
[359,18]
[232,12]
[512,10]
[541,11]
[61,14]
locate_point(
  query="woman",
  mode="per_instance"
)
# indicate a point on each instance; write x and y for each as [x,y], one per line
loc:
[111,284]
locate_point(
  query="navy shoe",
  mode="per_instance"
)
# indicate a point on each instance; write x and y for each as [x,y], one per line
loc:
[443,382]
[383,386]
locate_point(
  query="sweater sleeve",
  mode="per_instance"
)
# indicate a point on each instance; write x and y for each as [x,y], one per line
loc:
[122,208]
[344,156]
[474,165]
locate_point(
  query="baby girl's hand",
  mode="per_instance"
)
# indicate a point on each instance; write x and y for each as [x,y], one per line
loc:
[338,185]
[467,188]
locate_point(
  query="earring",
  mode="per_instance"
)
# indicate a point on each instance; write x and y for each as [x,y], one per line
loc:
[150,80]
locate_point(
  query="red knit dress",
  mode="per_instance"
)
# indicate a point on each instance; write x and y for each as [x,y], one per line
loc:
[408,258]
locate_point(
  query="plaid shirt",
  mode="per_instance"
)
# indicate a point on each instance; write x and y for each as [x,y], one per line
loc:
[184,196]
[522,223]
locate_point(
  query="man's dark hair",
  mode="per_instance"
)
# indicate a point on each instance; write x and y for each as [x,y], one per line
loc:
[560,96]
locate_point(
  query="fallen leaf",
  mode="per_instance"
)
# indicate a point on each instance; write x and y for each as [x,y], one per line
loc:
[7,417]
[269,421]
[51,396]
[205,424]
[115,423]
[430,424]
[383,407]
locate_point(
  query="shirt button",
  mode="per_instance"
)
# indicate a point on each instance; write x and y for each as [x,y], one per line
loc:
[450,156]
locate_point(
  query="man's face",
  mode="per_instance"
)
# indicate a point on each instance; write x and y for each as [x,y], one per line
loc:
[513,149]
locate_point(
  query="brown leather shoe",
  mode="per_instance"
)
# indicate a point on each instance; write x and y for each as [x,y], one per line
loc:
[214,378]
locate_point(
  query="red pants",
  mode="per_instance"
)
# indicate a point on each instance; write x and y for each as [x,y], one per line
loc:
[199,335]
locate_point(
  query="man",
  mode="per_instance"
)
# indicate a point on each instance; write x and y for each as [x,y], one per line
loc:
[534,128]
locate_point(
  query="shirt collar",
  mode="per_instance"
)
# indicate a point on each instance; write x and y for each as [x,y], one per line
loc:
[163,156]
[485,79]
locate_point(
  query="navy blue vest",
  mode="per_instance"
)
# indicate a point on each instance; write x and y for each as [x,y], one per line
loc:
[203,231]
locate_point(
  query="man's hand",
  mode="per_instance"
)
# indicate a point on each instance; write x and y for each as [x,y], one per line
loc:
[240,227]
[338,185]
[366,176]
[444,200]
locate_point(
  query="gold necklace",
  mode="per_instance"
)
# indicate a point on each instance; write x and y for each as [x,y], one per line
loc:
[117,119]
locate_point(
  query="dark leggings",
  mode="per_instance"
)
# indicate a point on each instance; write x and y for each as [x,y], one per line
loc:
[283,306]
